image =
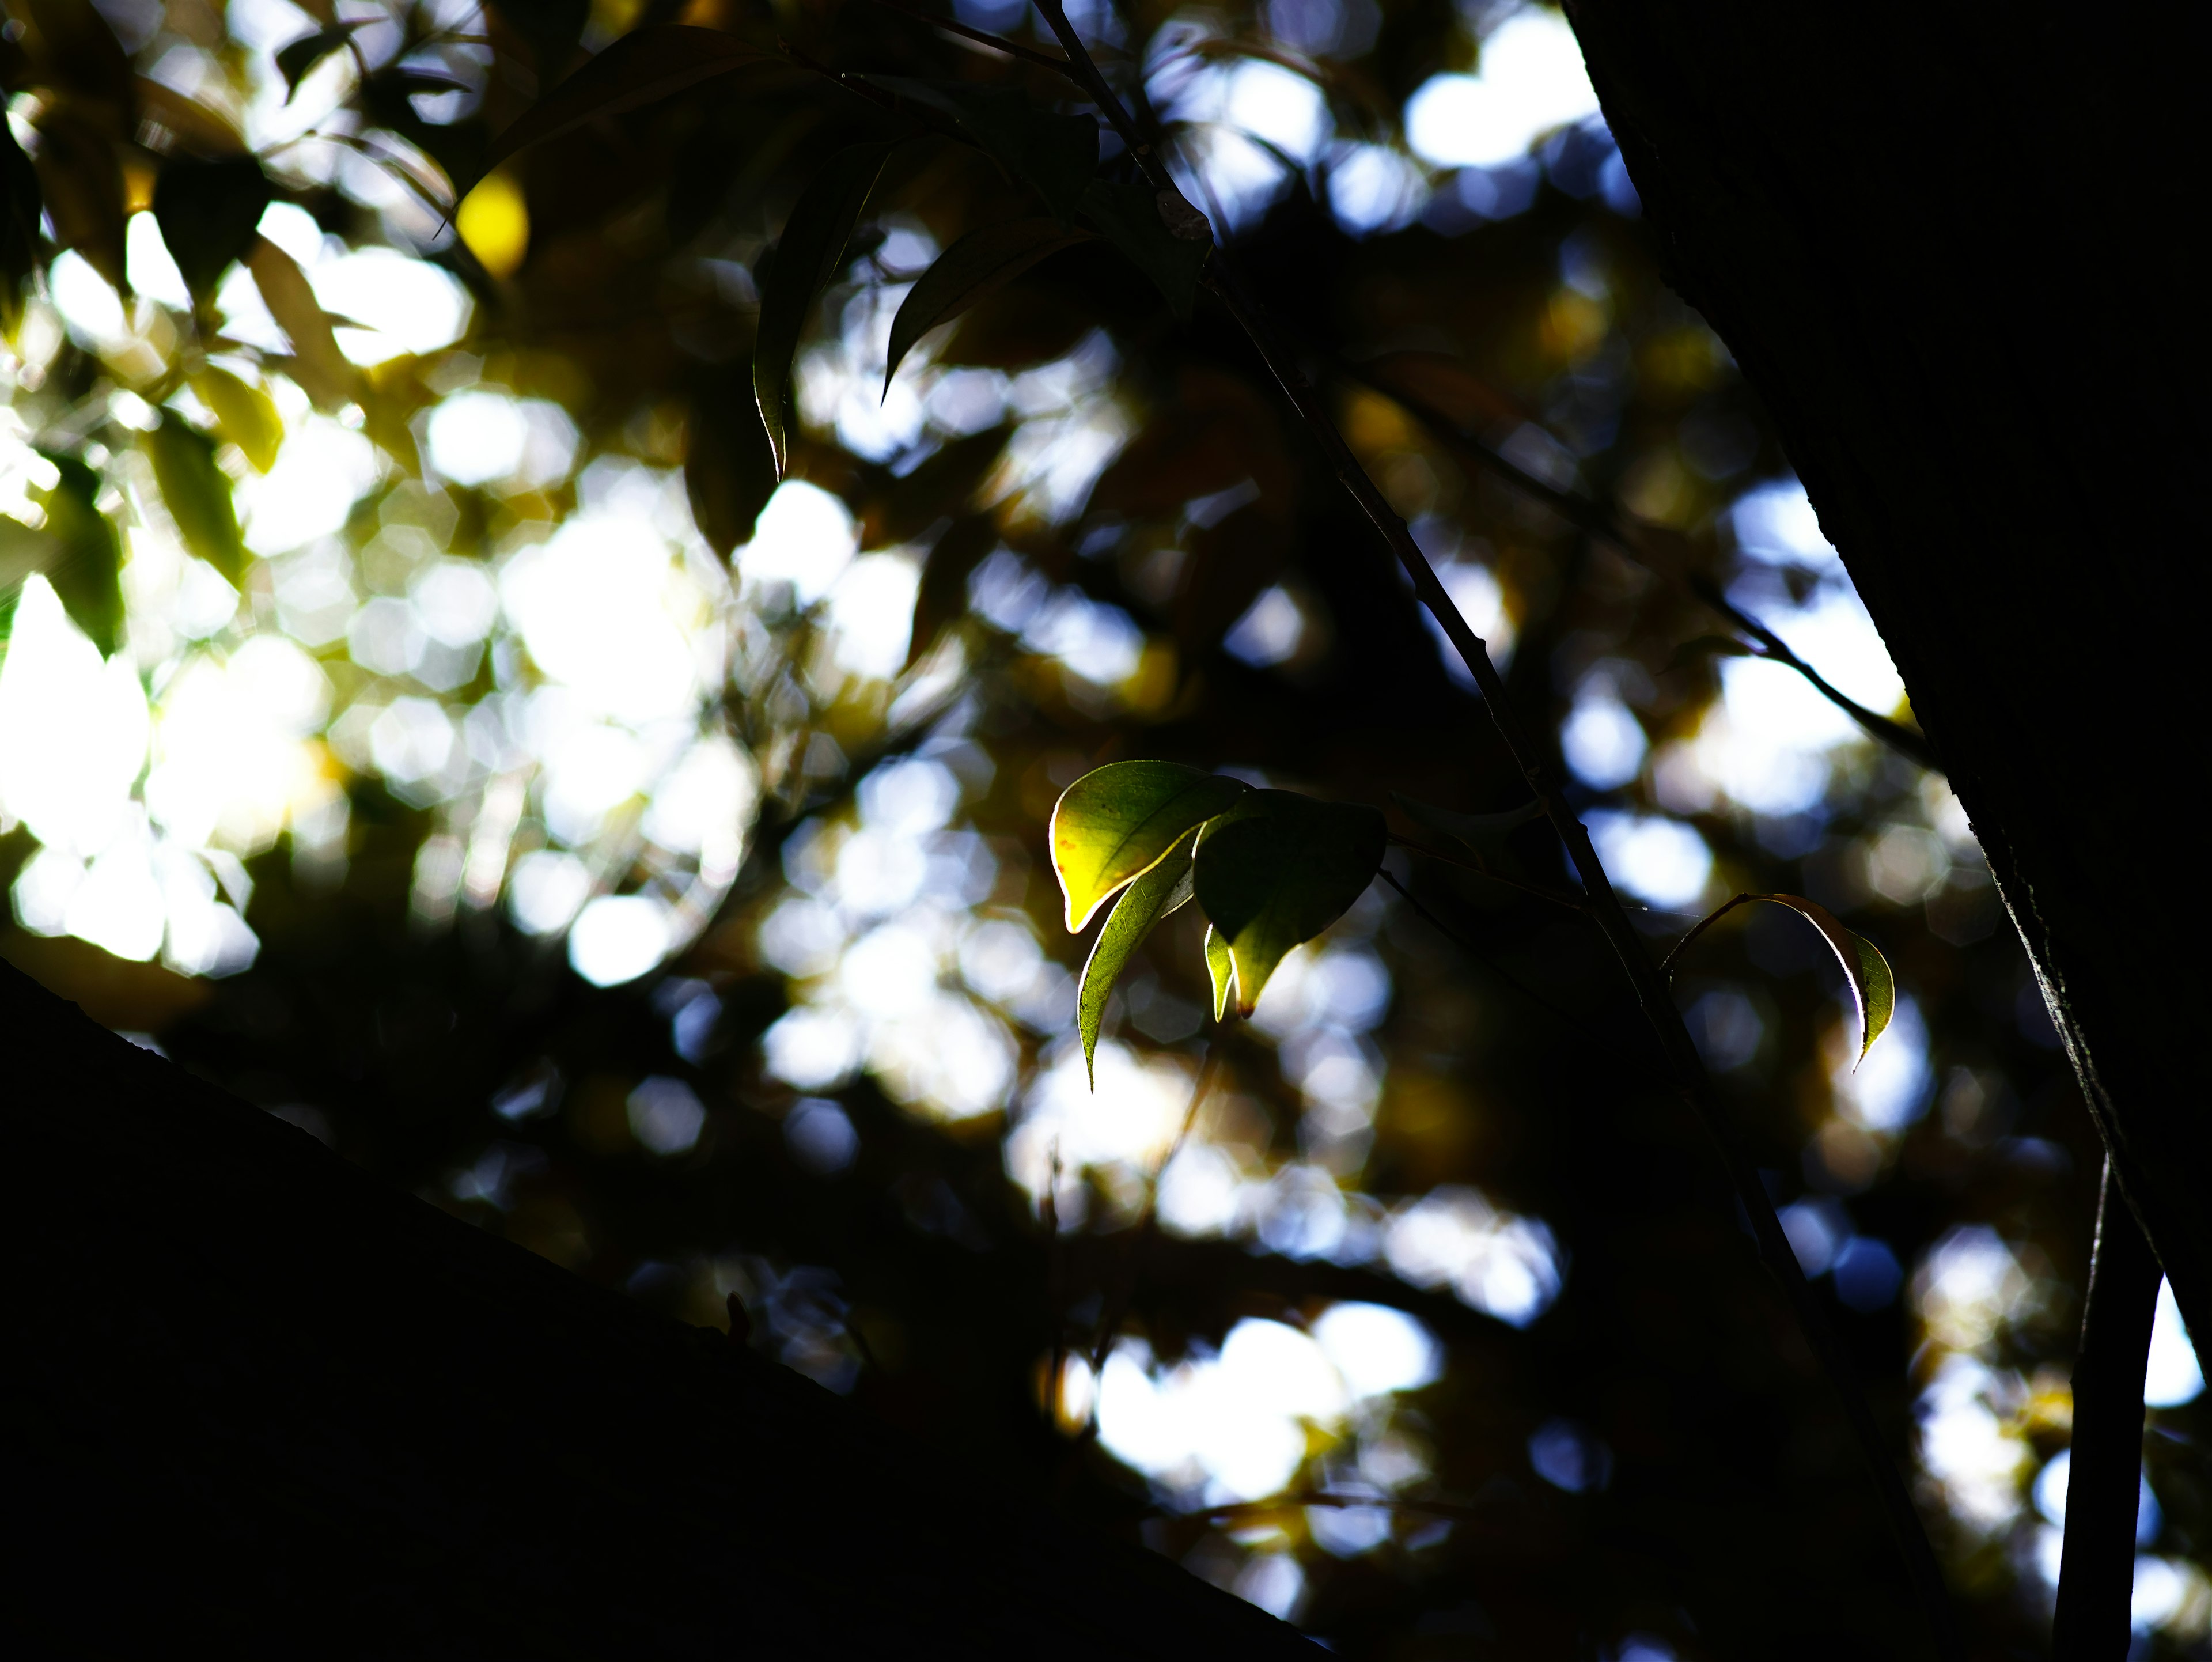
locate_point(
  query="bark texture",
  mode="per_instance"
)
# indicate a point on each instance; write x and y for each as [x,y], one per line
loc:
[1945,244]
[260,1398]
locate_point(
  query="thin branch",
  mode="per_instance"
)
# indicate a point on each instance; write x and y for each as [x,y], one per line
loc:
[1666,964]
[1011,48]
[1650,987]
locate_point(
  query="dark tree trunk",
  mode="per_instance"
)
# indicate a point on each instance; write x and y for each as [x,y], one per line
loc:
[258,1399]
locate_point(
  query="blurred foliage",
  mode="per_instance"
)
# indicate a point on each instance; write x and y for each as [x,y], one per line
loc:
[654,868]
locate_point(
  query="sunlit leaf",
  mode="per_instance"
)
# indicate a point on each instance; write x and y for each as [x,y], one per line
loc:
[21,205]
[1220,969]
[1278,869]
[244,414]
[1874,988]
[978,265]
[296,59]
[86,569]
[325,373]
[1116,822]
[197,494]
[1129,217]
[1055,156]
[644,65]
[808,255]
[209,213]
[1142,905]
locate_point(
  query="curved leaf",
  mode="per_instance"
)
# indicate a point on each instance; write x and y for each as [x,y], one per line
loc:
[978,265]
[1054,154]
[86,569]
[1142,905]
[1220,969]
[1277,870]
[1874,988]
[296,59]
[325,375]
[808,255]
[209,213]
[245,414]
[1131,218]
[644,65]
[197,494]
[1117,822]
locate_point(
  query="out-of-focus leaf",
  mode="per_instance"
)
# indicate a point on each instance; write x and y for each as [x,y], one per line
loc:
[807,256]
[244,414]
[729,471]
[1056,156]
[78,55]
[81,181]
[1476,832]
[979,264]
[1229,565]
[1278,868]
[1131,218]
[945,487]
[1704,646]
[197,494]
[325,373]
[551,28]
[1446,386]
[208,212]
[21,204]
[1220,970]
[296,59]
[942,596]
[641,67]
[196,127]
[1117,822]
[1142,905]
[1219,431]
[86,572]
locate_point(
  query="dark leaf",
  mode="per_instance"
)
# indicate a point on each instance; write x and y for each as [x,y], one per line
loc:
[1129,217]
[21,204]
[87,568]
[641,67]
[944,487]
[1117,822]
[1142,905]
[209,213]
[1278,868]
[942,596]
[78,54]
[81,179]
[979,264]
[729,471]
[1056,156]
[1228,565]
[296,60]
[197,494]
[551,28]
[1478,833]
[325,373]
[807,256]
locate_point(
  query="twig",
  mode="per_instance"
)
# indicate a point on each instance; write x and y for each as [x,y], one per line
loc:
[2096,1565]
[1012,48]
[1479,955]
[1666,964]
[1650,987]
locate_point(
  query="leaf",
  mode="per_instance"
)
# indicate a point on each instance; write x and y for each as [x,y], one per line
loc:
[87,573]
[296,59]
[729,471]
[808,255]
[197,494]
[1055,156]
[643,67]
[947,486]
[21,204]
[1221,969]
[1129,217]
[979,264]
[189,123]
[551,28]
[325,373]
[1874,988]
[1117,822]
[209,213]
[244,414]
[1142,905]
[81,176]
[1277,870]
[1447,387]
[942,594]
[1473,831]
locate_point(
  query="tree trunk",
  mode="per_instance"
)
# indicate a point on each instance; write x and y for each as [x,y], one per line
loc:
[260,1397]
[1945,246]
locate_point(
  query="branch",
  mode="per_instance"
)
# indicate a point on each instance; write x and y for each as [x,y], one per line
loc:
[1011,48]
[1650,987]
[2096,1569]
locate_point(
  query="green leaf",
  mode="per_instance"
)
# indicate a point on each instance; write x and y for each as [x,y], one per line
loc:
[197,494]
[643,67]
[1117,822]
[1473,831]
[812,249]
[296,59]
[1054,154]
[22,203]
[87,572]
[1130,216]
[245,414]
[1142,905]
[1874,988]
[978,265]
[1278,869]
[1221,969]
[729,468]
[209,213]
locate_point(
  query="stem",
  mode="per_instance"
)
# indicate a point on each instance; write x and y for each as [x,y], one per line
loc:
[2096,1572]
[1650,987]
[1666,964]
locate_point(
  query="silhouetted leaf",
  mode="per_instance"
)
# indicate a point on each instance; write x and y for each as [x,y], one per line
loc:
[641,67]
[729,470]
[296,59]
[197,494]
[244,414]
[1116,822]
[20,206]
[1129,217]
[942,594]
[81,178]
[325,373]
[1055,156]
[209,213]
[86,571]
[979,264]
[944,487]
[807,256]
[1220,970]
[195,128]
[551,28]
[1142,905]
[1278,868]
[77,53]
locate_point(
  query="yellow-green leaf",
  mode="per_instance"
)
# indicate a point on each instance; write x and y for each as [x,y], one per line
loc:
[978,265]
[86,569]
[1278,869]
[244,414]
[1221,969]
[1874,988]
[197,494]
[1142,905]
[1117,822]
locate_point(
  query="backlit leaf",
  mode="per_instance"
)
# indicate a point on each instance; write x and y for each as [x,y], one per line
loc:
[209,213]
[1117,822]
[644,65]
[1055,156]
[1278,869]
[197,494]
[245,414]
[296,59]
[1129,216]
[86,569]
[325,375]
[1220,969]
[1142,905]
[1874,988]
[979,264]
[810,251]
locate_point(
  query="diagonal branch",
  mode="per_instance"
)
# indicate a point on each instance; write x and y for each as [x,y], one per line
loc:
[1011,48]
